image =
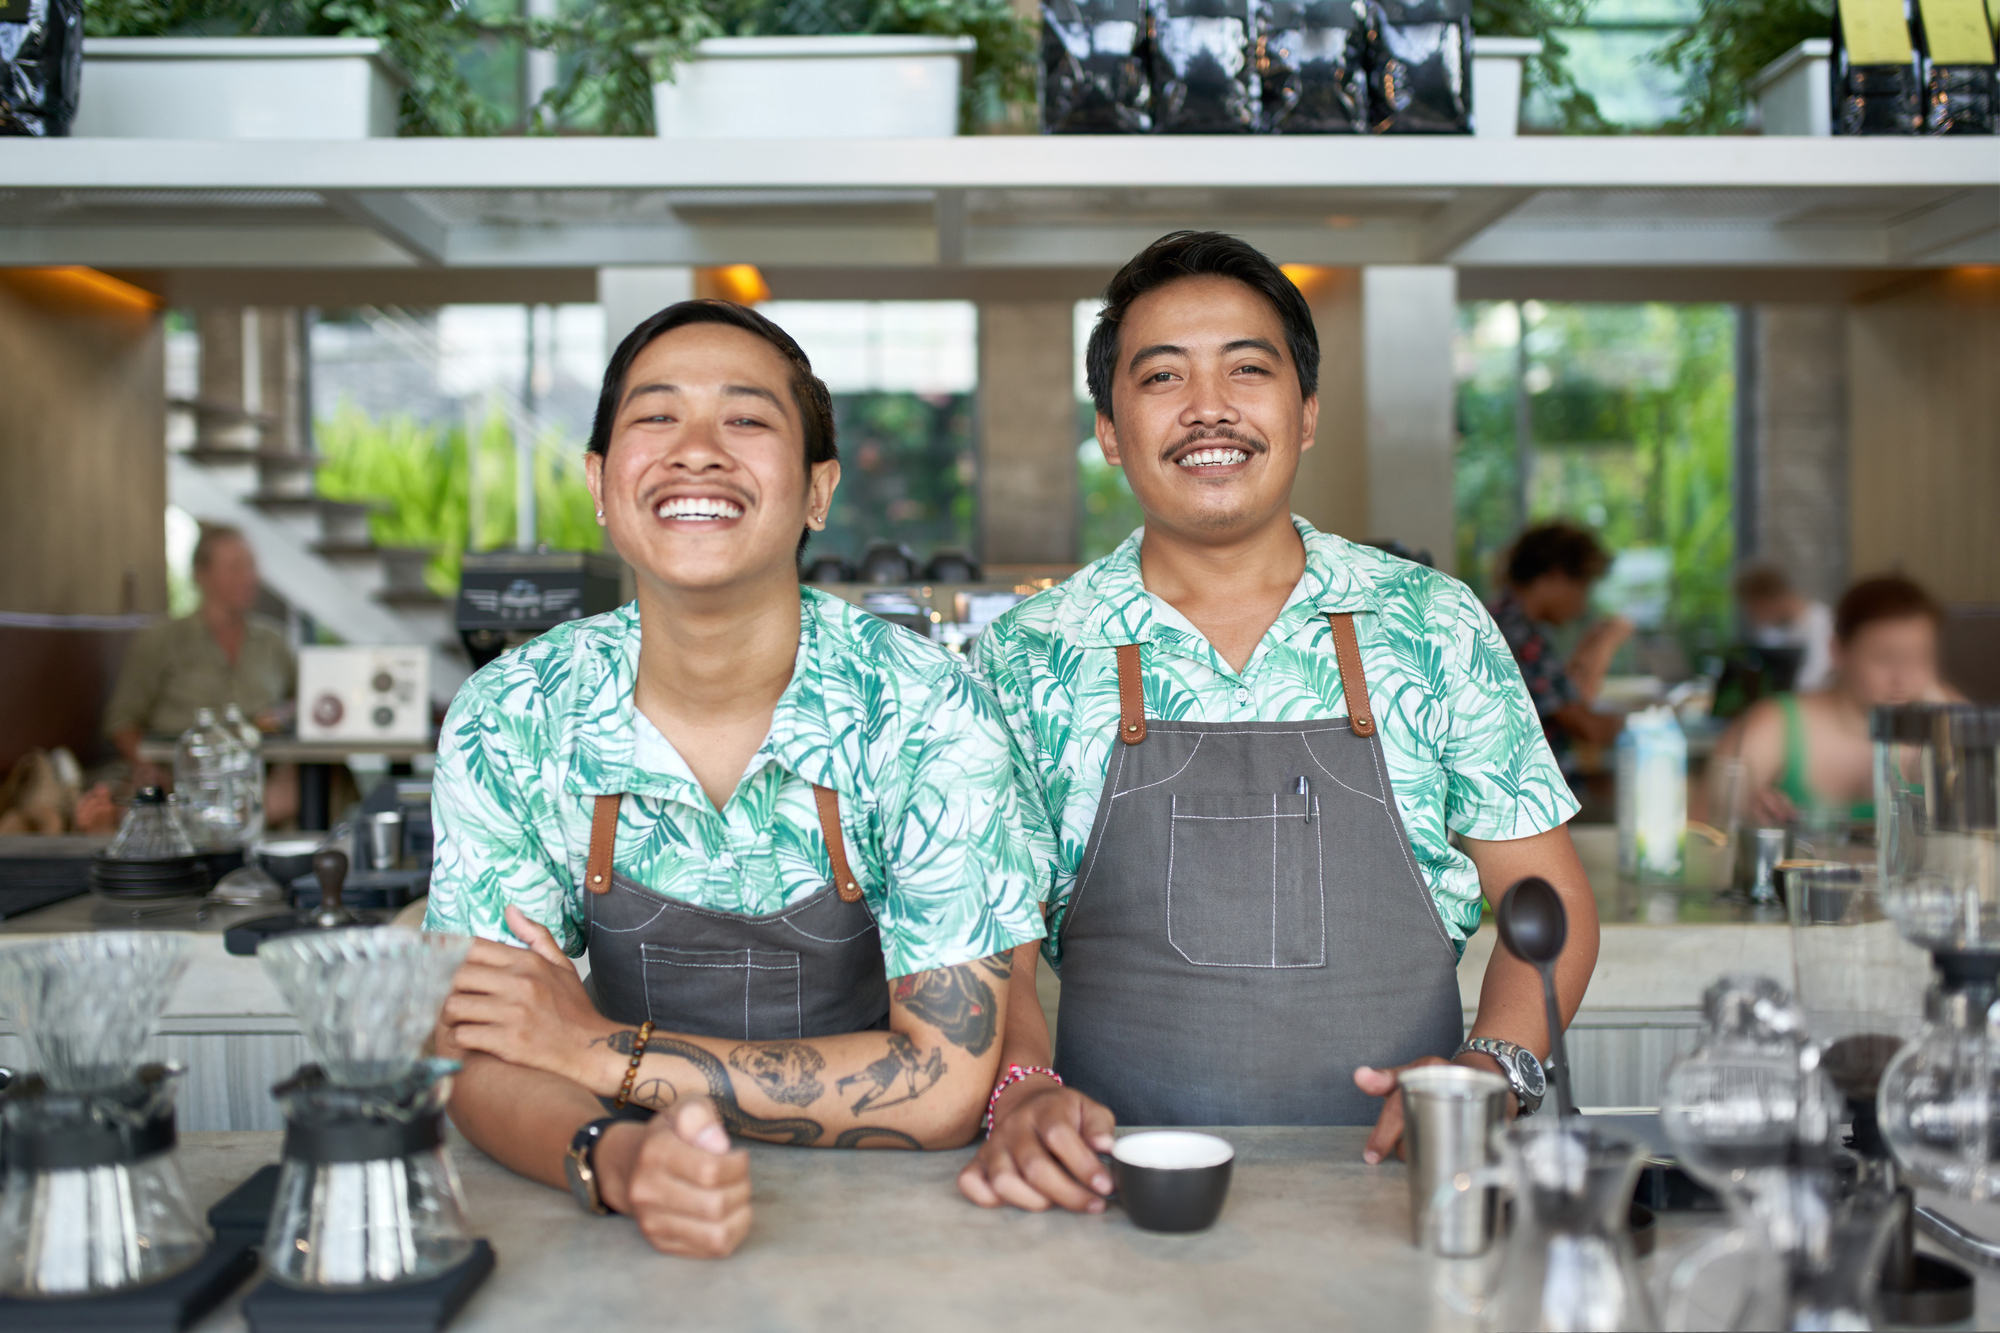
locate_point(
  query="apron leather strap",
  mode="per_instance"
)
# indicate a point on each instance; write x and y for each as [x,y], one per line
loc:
[1131,695]
[828,801]
[1353,684]
[603,835]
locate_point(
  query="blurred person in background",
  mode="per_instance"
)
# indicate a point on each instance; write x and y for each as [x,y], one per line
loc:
[1810,751]
[1781,616]
[220,655]
[1548,577]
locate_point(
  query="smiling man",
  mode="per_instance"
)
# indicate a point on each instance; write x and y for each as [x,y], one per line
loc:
[1254,740]
[787,832]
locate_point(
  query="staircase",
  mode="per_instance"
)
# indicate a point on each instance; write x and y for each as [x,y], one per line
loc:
[245,467]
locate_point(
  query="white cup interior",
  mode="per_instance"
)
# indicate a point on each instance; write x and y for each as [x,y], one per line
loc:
[1172,1150]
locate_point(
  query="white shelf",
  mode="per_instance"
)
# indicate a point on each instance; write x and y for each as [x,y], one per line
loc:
[999,203]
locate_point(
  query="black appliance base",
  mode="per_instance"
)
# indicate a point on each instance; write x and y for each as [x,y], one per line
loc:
[160,1307]
[420,1307]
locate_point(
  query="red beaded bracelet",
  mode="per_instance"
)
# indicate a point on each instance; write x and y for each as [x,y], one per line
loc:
[1014,1074]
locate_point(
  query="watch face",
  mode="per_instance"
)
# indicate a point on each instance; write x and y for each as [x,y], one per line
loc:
[1531,1074]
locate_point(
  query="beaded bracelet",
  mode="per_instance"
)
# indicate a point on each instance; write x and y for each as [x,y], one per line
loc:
[632,1070]
[1014,1074]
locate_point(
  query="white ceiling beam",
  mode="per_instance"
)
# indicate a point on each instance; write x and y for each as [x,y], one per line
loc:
[166,244]
[1463,219]
[1003,162]
[398,219]
[1974,214]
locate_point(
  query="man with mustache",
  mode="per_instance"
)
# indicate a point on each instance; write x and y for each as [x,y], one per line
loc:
[1254,739]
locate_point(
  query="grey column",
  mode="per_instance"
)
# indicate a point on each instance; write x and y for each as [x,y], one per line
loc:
[1331,492]
[1409,314]
[1798,411]
[1027,433]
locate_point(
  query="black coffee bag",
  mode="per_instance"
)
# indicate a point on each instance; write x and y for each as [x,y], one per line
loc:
[1315,66]
[1956,49]
[41,65]
[1420,76]
[1094,77]
[1204,63]
[1876,81]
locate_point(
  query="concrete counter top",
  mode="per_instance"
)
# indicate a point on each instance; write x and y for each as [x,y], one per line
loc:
[878,1242]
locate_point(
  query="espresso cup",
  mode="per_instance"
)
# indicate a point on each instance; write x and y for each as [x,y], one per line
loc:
[1171,1179]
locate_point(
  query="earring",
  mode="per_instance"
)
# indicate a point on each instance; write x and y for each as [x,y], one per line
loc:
[600,516]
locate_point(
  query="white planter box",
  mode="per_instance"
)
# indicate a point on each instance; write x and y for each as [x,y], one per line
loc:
[1792,95]
[815,88]
[1496,83]
[236,88]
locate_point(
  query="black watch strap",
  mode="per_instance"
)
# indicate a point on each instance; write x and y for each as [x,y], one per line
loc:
[580,1166]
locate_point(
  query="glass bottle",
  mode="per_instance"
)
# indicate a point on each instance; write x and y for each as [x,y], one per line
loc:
[207,768]
[249,772]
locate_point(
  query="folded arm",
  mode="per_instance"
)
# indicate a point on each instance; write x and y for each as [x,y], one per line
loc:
[921,1084]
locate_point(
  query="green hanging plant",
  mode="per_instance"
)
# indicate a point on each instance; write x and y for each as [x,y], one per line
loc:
[1723,49]
[1548,71]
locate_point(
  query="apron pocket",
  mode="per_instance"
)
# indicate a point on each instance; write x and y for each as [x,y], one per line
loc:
[1244,887]
[744,994]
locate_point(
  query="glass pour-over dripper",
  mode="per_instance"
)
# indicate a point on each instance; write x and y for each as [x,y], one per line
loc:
[367,1195]
[94,1201]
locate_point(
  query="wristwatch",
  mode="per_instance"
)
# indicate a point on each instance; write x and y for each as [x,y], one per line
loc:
[1523,1070]
[580,1166]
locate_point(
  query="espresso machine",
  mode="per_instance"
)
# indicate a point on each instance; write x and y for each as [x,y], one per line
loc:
[506,598]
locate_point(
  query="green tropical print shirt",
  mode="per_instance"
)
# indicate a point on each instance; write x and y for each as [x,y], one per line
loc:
[949,859]
[1465,750]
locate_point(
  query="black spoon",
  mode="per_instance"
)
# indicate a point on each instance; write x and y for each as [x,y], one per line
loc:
[1534,927]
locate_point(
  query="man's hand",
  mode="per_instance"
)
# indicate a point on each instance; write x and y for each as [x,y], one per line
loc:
[1388,1132]
[525,1006]
[678,1179]
[1043,1151]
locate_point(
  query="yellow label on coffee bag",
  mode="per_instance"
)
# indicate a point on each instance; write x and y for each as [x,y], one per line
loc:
[1874,32]
[1955,32]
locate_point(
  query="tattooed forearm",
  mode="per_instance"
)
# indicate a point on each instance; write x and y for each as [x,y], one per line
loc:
[715,1074]
[787,1071]
[956,1000]
[875,1136]
[901,1076]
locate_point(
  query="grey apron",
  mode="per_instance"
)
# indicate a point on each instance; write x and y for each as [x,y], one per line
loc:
[1248,924]
[813,969]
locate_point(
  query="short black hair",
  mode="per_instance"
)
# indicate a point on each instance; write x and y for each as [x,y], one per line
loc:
[1884,597]
[1195,254]
[809,392]
[1557,547]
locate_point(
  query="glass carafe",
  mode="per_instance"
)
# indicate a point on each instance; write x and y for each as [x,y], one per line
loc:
[1750,1095]
[1937,823]
[1940,1096]
[1806,1254]
[1568,1262]
[94,1201]
[367,1195]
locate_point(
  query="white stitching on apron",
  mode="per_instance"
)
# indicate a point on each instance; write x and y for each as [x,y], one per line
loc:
[1403,845]
[1172,820]
[1163,781]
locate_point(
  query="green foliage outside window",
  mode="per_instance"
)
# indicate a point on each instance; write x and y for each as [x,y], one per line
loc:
[1575,109]
[1725,47]
[908,473]
[421,475]
[1632,417]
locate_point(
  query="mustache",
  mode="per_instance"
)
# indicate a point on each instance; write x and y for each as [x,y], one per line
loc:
[1211,435]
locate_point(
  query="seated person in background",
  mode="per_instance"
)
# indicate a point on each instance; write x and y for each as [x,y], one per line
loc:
[220,655]
[1548,577]
[1811,751]
[1782,617]
[786,831]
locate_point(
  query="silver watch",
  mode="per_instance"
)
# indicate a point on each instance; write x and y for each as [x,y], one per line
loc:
[1523,1070]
